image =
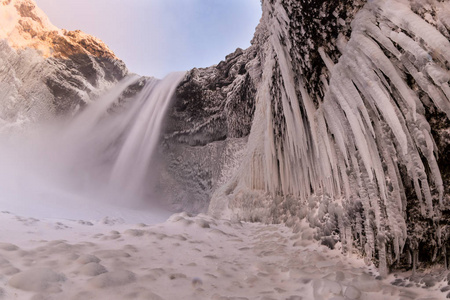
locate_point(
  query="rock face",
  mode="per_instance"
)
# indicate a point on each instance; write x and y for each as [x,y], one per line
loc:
[208,127]
[46,71]
[337,113]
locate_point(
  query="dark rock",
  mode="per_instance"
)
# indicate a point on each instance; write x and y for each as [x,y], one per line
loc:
[429,281]
[215,103]
[398,282]
[212,115]
[445,288]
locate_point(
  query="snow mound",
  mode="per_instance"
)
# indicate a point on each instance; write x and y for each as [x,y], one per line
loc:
[38,280]
[92,269]
[115,278]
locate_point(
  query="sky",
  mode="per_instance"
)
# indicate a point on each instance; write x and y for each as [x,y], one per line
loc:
[156,37]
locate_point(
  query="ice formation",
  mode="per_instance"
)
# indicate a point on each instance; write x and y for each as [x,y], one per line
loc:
[348,154]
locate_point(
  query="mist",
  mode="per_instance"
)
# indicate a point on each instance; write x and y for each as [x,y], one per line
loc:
[98,163]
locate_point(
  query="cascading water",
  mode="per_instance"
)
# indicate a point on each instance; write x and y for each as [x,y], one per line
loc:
[100,157]
[132,163]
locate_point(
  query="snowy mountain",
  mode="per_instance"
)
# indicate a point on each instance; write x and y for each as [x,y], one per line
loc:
[338,114]
[46,71]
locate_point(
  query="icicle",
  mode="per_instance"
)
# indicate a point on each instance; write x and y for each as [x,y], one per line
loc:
[359,134]
[349,240]
[402,16]
[367,135]
[383,269]
[326,59]
[435,94]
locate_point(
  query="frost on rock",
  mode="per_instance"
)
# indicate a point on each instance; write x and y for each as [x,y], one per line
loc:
[207,129]
[349,143]
[46,71]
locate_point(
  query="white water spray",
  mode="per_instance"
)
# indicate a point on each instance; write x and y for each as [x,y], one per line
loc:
[131,166]
[95,165]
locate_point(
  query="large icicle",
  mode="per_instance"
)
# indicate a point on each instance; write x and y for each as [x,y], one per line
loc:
[364,138]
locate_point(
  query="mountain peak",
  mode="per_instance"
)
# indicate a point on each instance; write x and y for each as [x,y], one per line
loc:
[24,25]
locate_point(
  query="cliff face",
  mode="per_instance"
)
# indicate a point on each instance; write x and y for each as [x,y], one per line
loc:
[45,70]
[349,109]
[208,126]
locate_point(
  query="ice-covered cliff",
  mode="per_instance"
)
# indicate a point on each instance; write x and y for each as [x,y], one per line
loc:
[338,114]
[46,71]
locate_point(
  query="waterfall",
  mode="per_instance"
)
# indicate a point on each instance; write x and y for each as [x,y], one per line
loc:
[122,144]
[103,154]
[132,163]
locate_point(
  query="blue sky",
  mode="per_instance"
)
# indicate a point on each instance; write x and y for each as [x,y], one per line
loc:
[155,37]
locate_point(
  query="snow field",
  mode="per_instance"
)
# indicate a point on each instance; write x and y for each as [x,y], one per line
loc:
[184,258]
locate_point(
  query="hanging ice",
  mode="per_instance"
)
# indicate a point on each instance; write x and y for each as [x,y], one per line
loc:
[364,138]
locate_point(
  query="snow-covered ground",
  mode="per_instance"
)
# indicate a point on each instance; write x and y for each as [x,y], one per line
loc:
[183,258]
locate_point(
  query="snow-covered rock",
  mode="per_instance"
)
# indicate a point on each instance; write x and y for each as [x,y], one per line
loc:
[46,71]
